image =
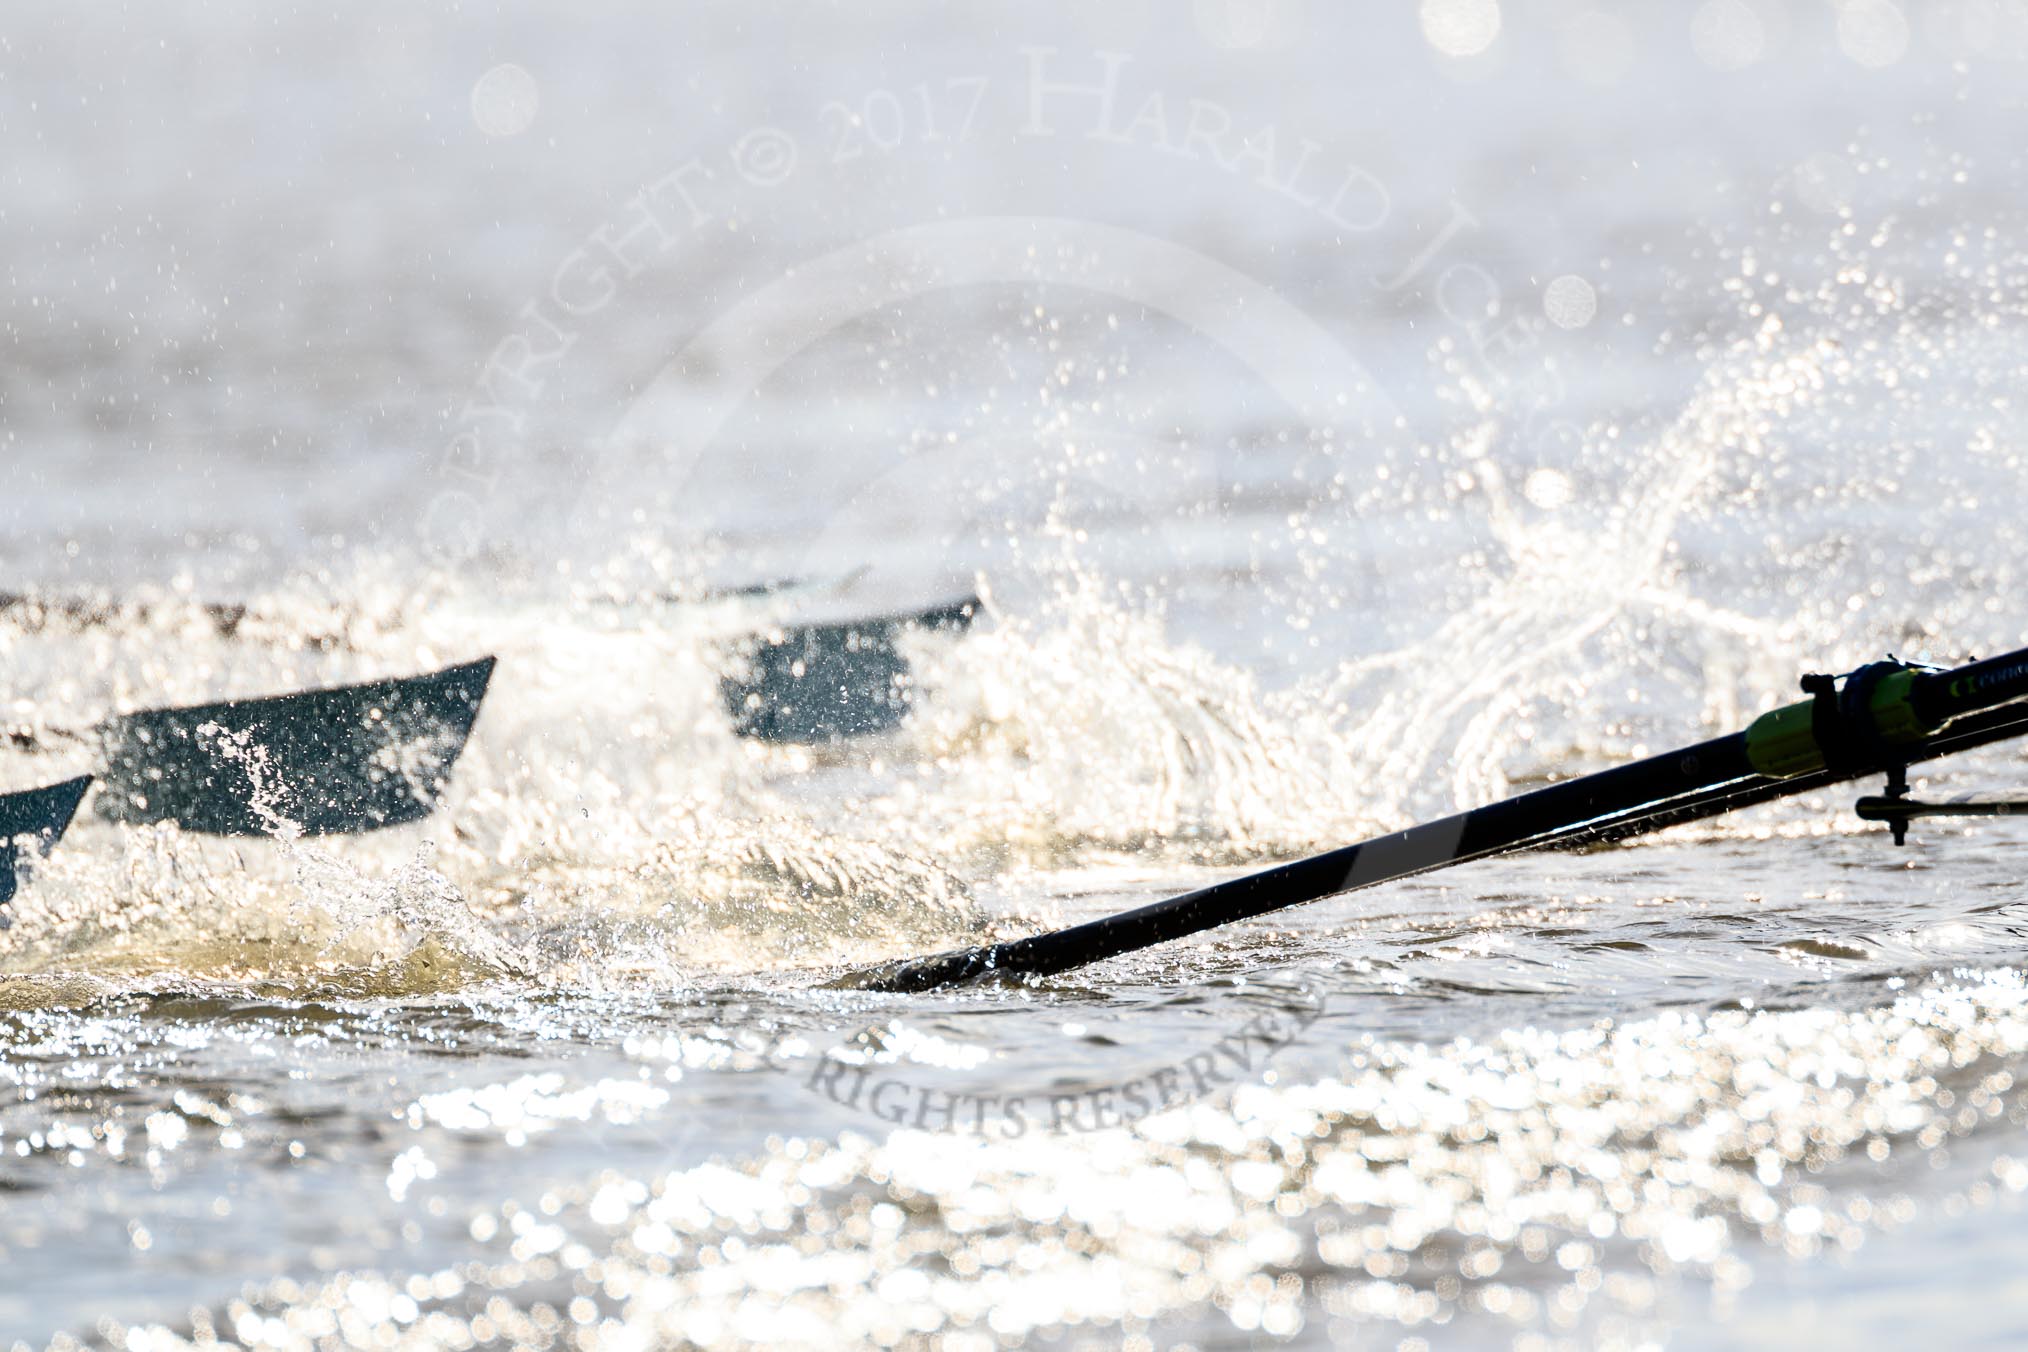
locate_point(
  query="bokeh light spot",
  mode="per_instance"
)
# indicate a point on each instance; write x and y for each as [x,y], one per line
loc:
[1570,302]
[1872,33]
[505,100]
[1460,27]
[1727,34]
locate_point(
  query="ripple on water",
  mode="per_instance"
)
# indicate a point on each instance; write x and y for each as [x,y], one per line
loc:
[1535,1179]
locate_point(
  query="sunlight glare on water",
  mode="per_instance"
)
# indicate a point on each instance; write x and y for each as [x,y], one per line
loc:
[1289,525]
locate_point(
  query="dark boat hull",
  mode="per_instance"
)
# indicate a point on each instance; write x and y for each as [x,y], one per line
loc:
[338,761]
[37,820]
[826,682]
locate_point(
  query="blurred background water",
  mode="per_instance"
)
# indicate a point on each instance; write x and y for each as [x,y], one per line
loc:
[1346,417]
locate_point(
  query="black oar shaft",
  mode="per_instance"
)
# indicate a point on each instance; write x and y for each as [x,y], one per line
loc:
[1915,716]
[1418,849]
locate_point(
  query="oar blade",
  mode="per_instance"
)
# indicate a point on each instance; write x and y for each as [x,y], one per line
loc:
[938,971]
[816,683]
[38,818]
[341,761]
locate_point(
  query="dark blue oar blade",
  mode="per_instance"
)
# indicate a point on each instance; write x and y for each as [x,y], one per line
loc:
[823,682]
[39,817]
[335,762]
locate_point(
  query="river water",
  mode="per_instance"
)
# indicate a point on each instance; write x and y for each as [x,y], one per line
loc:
[1345,418]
